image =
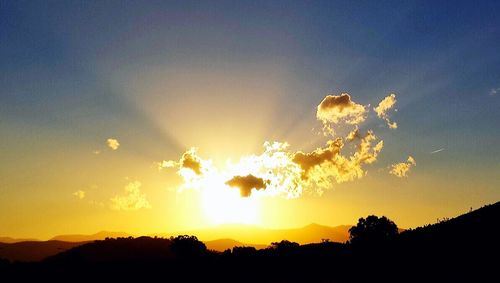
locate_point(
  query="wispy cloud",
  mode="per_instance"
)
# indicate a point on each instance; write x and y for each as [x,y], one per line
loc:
[494,91]
[383,107]
[133,199]
[401,169]
[79,194]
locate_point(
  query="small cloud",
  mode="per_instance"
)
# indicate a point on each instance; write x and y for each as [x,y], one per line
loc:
[79,194]
[494,91]
[113,143]
[340,108]
[438,150]
[383,107]
[166,164]
[189,160]
[247,183]
[96,152]
[401,169]
[133,199]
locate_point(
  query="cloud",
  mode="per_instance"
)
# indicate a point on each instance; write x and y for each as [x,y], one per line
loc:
[133,199]
[307,161]
[113,143]
[401,169]
[247,183]
[354,134]
[383,107]
[79,194]
[340,108]
[494,91]
[324,166]
[96,152]
[189,160]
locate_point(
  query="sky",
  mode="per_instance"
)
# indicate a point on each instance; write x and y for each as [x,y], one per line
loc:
[148,117]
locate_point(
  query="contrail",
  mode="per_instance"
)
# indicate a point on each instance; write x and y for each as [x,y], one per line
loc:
[436,151]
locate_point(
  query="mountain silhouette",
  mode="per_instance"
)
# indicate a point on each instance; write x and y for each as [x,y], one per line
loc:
[85,238]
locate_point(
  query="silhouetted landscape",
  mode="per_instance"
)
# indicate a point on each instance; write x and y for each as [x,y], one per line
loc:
[462,248]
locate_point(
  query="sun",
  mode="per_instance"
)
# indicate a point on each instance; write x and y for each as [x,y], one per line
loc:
[224,205]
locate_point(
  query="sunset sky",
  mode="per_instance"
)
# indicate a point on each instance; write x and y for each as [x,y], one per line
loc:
[150,117]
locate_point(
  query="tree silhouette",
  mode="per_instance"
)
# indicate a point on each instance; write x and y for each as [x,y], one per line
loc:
[187,246]
[284,246]
[372,230]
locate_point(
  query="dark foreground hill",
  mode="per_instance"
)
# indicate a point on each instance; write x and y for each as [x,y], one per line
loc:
[462,249]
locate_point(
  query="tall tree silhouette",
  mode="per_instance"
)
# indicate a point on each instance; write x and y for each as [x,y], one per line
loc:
[372,230]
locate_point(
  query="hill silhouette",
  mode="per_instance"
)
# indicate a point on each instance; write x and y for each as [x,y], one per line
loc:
[224,244]
[454,250]
[34,250]
[9,240]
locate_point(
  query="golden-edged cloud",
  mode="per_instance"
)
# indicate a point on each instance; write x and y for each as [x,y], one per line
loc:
[308,161]
[402,169]
[133,199]
[247,183]
[383,107]
[113,143]
[79,194]
[335,109]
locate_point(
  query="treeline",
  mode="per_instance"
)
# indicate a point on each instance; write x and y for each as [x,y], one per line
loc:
[460,249]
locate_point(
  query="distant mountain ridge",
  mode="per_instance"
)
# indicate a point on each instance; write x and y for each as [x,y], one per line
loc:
[93,237]
[9,240]
[312,233]
[253,235]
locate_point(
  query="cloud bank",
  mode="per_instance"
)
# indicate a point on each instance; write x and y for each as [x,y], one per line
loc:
[279,171]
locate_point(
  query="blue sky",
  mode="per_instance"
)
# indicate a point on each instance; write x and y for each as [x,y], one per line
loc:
[74,73]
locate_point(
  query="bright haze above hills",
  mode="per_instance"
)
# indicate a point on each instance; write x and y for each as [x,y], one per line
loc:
[154,118]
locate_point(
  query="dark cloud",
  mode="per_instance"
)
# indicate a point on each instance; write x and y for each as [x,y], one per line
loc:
[191,161]
[306,161]
[247,183]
